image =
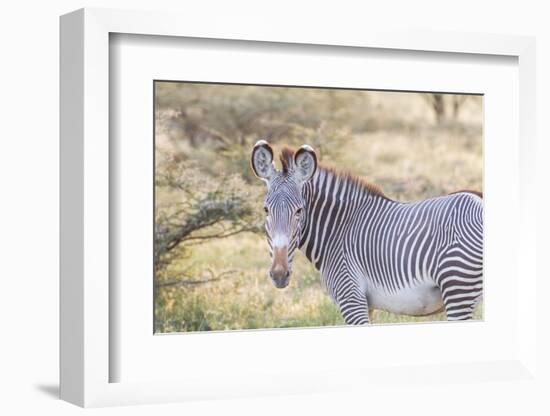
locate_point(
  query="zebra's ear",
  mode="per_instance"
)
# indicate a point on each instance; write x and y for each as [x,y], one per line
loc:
[262,161]
[305,161]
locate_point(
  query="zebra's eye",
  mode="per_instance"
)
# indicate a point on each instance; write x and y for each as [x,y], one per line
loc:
[266,210]
[299,212]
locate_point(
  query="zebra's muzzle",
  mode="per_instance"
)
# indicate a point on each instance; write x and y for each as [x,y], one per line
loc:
[280,280]
[280,272]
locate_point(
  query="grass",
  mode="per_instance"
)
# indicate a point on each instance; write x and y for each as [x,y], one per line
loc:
[245,298]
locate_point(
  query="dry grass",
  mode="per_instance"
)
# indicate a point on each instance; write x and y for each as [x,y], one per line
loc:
[246,298]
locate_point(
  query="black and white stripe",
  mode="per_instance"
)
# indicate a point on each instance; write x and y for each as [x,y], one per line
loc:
[357,239]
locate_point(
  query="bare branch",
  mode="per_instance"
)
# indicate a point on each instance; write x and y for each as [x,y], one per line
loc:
[186,282]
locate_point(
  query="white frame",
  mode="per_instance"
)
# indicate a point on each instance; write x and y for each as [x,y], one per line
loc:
[85,191]
[137,60]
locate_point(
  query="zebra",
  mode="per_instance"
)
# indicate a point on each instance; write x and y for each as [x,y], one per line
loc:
[372,252]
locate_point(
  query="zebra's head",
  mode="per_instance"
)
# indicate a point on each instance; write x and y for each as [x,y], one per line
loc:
[284,204]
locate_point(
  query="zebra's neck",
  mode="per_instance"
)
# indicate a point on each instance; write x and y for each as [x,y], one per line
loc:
[331,200]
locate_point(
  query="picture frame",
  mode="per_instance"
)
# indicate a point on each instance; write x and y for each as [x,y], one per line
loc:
[86,354]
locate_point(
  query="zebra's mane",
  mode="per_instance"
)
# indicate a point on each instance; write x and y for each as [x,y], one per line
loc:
[287,161]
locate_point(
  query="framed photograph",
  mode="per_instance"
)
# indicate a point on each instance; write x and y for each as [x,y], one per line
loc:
[266,213]
[222,205]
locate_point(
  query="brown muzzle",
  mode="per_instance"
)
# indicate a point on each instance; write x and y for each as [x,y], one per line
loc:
[279,271]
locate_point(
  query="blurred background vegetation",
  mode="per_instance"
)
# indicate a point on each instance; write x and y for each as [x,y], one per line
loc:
[211,256]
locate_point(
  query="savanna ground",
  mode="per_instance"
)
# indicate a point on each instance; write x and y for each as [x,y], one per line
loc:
[211,255]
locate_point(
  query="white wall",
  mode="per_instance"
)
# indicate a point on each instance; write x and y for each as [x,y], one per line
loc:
[29,170]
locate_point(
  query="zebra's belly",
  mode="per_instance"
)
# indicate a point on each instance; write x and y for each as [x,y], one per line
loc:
[421,299]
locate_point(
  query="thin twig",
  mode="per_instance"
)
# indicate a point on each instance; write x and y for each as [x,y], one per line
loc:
[186,282]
